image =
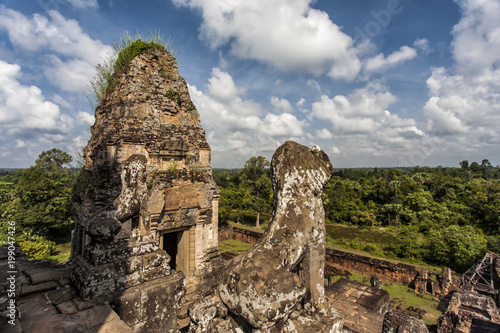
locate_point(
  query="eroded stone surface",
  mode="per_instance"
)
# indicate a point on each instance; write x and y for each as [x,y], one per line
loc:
[259,285]
[395,322]
[465,307]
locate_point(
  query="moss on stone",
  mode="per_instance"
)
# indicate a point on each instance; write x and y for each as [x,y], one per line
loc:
[130,52]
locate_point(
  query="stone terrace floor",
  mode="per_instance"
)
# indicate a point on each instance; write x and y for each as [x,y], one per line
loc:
[47,303]
[362,306]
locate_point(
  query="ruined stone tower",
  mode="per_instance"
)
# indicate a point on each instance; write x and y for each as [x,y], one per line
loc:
[146,203]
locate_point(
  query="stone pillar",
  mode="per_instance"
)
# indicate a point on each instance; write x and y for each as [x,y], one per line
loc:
[314,277]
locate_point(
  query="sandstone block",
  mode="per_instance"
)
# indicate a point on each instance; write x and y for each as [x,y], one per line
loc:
[403,323]
[259,284]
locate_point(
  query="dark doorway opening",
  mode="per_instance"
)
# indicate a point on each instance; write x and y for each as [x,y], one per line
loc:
[429,288]
[170,242]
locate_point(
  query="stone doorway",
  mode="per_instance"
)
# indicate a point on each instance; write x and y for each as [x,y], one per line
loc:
[179,244]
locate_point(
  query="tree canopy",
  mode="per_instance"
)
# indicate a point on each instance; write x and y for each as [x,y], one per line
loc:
[40,201]
[443,216]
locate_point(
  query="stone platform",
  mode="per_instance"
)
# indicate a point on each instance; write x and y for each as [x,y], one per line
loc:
[362,306]
[46,302]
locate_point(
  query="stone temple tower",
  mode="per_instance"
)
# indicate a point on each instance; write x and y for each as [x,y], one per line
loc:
[146,204]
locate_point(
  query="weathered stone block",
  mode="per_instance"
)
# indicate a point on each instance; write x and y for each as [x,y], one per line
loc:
[95,317]
[160,303]
[403,323]
[156,265]
[67,308]
[259,284]
[128,306]
[129,272]
[61,295]
[93,281]
[38,315]
[45,286]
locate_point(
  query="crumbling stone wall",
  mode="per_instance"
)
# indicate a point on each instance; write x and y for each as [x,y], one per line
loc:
[241,235]
[395,273]
[400,273]
[465,308]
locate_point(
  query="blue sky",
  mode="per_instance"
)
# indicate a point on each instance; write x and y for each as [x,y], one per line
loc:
[385,83]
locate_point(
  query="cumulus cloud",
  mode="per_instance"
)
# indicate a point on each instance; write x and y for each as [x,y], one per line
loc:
[237,127]
[281,104]
[24,107]
[362,125]
[288,35]
[357,112]
[314,84]
[380,62]
[31,122]
[72,75]
[464,103]
[476,43]
[72,54]
[324,134]
[87,118]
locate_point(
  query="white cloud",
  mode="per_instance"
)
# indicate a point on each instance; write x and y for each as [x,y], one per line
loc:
[362,126]
[358,112]
[422,44]
[87,118]
[30,122]
[289,35]
[313,83]
[55,33]
[324,134]
[464,103]
[476,44]
[84,4]
[24,107]
[72,75]
[59,38]
[59,100]
[283,125]
[238,128]
[281,104]
[380,62]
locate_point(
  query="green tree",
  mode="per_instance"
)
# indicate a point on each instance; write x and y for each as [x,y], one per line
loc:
[456,247]
[42,194]
[254,177]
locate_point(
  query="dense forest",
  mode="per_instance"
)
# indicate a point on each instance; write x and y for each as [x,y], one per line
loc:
[35,204]
[442,216]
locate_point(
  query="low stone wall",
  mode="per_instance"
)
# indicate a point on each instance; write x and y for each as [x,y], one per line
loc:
[402,274]
[241,235]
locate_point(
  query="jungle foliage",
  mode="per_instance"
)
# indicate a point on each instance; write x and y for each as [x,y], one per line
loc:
[441,216]
[36,204]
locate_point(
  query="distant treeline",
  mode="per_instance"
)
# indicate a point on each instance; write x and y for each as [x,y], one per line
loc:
[443,216]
